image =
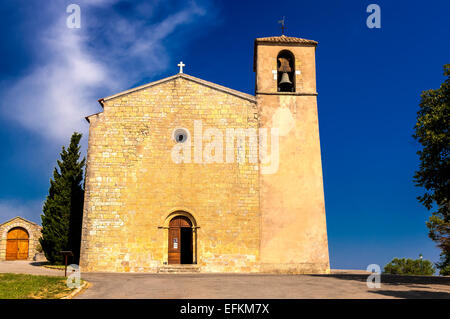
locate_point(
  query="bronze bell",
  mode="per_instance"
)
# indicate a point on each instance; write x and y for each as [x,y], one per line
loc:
[285,79]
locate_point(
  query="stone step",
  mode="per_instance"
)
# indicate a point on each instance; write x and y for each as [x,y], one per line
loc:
[179,269]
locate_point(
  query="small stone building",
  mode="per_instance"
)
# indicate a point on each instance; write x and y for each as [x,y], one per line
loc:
[179,173]
[19,239]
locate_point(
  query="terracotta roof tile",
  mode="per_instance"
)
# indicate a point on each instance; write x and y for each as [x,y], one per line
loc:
[284,39]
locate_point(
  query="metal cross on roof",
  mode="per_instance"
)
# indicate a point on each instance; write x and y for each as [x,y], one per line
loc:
[282,25]
[181,64]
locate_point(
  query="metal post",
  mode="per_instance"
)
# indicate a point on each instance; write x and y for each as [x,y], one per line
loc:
[66,253]
[65,263]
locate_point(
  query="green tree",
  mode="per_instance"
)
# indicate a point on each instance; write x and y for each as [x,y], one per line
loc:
[431,131]
[403,266]
[63,208]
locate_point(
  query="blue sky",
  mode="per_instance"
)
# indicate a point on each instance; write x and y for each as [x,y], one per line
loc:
[369,83]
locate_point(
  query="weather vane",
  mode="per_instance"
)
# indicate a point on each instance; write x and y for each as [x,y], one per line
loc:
[282,21]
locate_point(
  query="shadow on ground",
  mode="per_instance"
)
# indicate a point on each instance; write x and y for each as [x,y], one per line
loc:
[395,279]
[38,263]
[413,294]
[413,282]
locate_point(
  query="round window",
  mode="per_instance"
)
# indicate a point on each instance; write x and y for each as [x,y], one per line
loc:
[180,135]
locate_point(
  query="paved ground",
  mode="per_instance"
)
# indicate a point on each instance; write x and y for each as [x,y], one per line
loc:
[228,286]
[340,284]
[27,267]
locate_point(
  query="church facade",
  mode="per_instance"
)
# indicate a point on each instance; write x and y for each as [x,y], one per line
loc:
[183,172]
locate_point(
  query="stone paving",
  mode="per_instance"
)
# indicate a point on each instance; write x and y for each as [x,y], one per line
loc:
[340,284]
[227,286]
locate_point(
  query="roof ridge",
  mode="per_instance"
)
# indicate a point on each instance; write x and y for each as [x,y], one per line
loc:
[28,221]
[284,39]
[220,87]
[243,95]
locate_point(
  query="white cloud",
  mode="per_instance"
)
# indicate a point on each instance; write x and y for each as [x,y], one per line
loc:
[53,98]
[72,68]
[80,65]
[30,210]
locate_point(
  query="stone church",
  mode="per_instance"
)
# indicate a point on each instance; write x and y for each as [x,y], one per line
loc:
[187,175]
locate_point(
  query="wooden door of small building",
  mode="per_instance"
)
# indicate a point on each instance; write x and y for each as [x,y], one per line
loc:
[17,244]
[180,241]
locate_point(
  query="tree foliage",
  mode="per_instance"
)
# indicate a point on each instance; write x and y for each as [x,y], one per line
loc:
[403,266]
[431,131]
[63,208]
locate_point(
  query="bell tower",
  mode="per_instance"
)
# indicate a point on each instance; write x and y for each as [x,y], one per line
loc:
[293,222]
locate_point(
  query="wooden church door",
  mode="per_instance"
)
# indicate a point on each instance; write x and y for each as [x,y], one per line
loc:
[174,246]
[180,241]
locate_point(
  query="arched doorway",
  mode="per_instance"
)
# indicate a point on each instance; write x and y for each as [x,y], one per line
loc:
[17,244]
[180,241]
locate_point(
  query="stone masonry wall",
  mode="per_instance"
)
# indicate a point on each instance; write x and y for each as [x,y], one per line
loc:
[293,221]
[133,185]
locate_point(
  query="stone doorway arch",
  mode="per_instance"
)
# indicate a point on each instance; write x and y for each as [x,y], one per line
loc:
[180,238]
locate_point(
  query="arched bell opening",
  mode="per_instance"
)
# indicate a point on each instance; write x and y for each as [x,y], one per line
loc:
[286,71]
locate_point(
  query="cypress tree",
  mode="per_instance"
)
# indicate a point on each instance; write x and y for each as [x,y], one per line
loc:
[63,208]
